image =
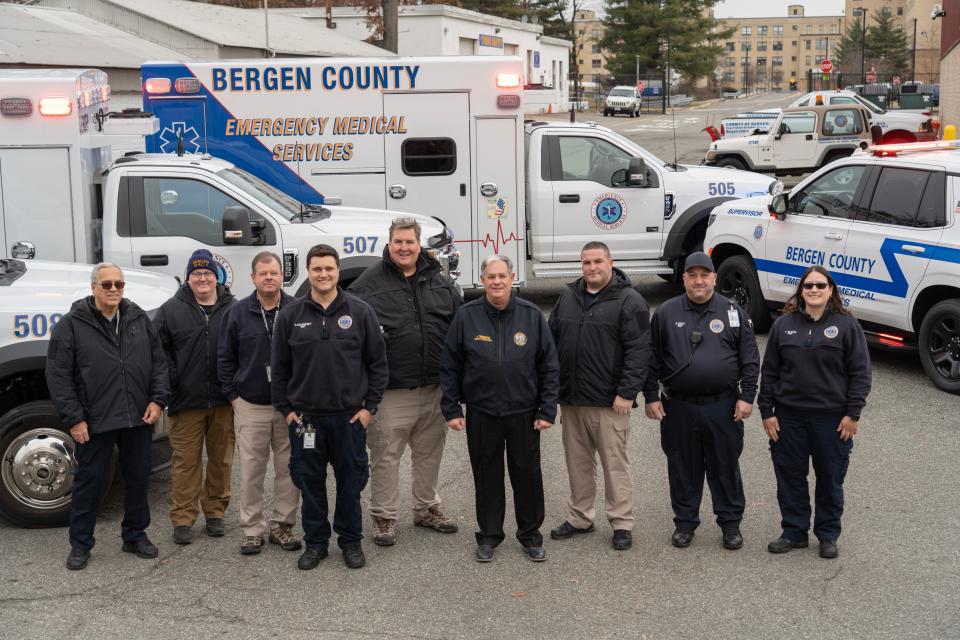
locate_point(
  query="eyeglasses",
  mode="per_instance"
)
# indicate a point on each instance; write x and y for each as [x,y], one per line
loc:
[201,274]
[819,285]
[107,285]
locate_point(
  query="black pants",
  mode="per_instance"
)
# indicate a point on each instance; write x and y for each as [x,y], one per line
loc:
[487,436]
[343,446]
[94,458]
[805,435]
[698,440]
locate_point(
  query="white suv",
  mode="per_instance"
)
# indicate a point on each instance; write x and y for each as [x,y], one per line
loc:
[887,229]
[622,99]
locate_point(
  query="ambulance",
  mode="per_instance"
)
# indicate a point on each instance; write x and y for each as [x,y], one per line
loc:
[444,137]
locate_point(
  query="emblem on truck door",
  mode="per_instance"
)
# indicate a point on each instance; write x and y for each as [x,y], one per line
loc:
[608,211]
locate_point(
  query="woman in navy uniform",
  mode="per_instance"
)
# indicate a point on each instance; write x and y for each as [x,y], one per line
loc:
[814,384]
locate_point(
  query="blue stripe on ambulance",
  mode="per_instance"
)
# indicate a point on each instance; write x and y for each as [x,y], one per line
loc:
[245,151]
[897,286]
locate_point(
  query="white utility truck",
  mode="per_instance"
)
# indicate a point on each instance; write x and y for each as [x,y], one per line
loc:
[445,137]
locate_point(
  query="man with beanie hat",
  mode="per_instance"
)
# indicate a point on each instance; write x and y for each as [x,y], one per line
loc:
[200,414]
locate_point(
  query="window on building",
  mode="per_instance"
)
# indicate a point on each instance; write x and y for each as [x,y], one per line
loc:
[822,28]
[596,63]
[596,34]
[731,46]
[793,43]
[807,44]
[778,29]
[731,61]
[793,58]
[762,45]
[899,11]
[778,45]
[821,44]
[809,28]
[761,62]
[596,48]
[428,156]
[807,61]
[762,30]
[745,46]
[885,11]
[820,59]
[580,62]
[746,31]
[834,28]
[777,61]
[745,60]
[730,76]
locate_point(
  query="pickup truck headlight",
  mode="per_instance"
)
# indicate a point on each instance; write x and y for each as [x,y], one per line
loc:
[711,156]
[776,188]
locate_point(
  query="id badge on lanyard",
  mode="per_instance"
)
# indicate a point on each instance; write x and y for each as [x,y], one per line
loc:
[266,325]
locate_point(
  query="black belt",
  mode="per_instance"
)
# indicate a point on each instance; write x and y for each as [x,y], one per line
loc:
[701,400]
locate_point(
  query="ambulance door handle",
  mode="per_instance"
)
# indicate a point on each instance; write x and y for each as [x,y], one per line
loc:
[569,197]
[160,260]
[833,235]
[397,191]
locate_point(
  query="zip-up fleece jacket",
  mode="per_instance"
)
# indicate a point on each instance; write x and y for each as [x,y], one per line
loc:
[106,379]
[190,338]
[815,365]
[603,345]
[328,362]
[414,319]
[500,362]
[244,350]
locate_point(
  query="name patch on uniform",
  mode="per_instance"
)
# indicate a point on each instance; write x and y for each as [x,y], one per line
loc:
[831,332]
[716,325]
[679,324]
[520,338]
[302,325]
[345,322]
[481,338]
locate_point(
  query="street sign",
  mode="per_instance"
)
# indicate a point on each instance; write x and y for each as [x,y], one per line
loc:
[826,66]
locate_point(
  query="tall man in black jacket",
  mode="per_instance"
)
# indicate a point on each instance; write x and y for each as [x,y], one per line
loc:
[329,371]
[499,359]
[189,328]
[244,370]
[107,377]
[601,325]
[415,303]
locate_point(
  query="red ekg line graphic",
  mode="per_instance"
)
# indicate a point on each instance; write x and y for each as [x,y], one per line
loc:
[497,241]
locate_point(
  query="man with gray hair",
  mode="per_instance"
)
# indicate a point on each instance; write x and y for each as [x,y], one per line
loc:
[415,303]
[107,376]
[499,359]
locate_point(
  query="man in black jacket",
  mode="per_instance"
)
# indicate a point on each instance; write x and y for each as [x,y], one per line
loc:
[499,359]
[328,371]
[189,328]
[601,325]
[244,370]
[415,303]
[108,380]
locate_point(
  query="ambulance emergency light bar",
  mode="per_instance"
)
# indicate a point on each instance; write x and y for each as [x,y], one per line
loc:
[891,150]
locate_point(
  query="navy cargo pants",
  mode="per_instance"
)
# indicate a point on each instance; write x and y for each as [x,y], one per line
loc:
[343,446]
[702,439]
[806,435]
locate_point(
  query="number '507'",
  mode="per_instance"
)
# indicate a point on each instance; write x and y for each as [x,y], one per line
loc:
[38,325]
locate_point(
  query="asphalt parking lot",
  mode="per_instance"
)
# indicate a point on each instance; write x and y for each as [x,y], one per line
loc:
[898,574]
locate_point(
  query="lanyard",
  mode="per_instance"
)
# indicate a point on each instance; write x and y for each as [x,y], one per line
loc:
[263,314]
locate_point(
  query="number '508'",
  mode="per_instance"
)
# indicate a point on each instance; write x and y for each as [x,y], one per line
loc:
[38,325]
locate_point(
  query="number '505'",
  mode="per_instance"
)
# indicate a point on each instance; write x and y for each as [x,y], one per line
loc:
[38,325]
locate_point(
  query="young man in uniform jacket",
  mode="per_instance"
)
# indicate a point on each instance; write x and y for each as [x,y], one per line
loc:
[415,303]
[499,359]
[244,370]
[329,372]
[189,327]
[107,377]
[705,356]
[601,326]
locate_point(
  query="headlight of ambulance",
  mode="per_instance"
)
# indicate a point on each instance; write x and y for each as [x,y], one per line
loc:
[711,155]
[776,188]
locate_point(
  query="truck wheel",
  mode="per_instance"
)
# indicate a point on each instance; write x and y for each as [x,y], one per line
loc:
[836,155]
[737,280]
[736,163]
[940,345]
[38,463]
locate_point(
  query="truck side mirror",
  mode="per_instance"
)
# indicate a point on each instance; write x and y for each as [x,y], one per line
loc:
[782,129]
[637,173]
[237,228]
[778,206]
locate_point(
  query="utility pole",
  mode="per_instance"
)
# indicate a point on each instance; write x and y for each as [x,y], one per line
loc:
[863,43]
[913,54]
[390,25]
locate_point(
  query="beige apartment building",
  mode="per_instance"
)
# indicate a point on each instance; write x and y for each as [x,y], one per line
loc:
[588,30]
[776,52]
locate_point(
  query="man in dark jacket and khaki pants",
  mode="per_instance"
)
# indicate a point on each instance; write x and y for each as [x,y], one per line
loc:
[602,329]
[108,380]
[189,329]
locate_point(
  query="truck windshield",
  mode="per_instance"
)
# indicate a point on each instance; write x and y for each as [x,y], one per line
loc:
[622,92]
[870,105]
[260,190]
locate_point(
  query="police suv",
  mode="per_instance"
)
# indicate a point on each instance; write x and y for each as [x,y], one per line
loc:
[885,225]
[800,140]
[36,454]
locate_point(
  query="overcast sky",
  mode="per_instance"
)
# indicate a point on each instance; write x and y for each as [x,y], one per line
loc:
[773,8]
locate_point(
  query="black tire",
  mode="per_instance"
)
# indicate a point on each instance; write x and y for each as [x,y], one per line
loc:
[33,431]
[606,113]
[940,345]
[737,280]
[836,155]
[730,161]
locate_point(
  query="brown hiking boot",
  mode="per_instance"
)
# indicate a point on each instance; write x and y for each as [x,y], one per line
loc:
[385,532]
[284,536]
[434,519]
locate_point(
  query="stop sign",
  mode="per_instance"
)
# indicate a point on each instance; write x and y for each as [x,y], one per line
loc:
[826,66]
